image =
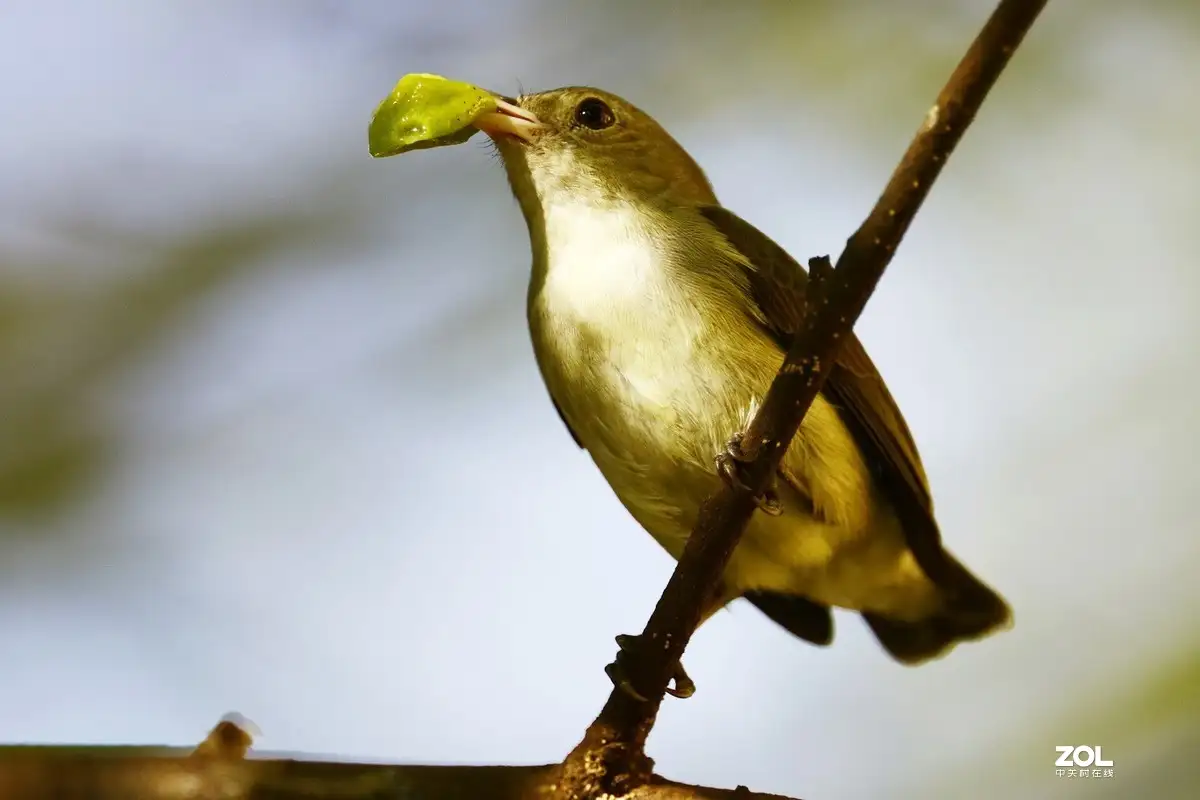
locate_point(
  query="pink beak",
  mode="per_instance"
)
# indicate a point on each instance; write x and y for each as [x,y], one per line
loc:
[509,120]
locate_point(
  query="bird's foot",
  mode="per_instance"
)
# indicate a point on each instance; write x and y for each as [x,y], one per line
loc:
[730,464]
[681,685]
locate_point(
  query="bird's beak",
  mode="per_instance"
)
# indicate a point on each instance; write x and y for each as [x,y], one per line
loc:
[509,119]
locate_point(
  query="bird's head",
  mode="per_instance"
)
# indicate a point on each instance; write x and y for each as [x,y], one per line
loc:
[591,146]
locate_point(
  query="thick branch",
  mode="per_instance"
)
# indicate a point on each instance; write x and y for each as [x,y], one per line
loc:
[73,773]
[218,769]
[612,752]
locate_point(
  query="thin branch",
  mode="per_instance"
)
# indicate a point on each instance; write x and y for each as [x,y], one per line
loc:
[611,755]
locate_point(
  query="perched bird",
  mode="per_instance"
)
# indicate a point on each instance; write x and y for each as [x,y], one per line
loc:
[659,319]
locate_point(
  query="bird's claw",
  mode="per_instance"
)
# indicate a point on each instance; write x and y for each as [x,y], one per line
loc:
[730,463]
[681,685]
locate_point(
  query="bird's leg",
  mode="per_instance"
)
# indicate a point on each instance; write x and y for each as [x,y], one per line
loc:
[681,685]
[730,463]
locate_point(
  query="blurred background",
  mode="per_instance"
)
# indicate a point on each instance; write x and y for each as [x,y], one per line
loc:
[272,438]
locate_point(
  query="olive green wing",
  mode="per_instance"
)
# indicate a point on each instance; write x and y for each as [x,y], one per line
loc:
[970,609]
[854,386]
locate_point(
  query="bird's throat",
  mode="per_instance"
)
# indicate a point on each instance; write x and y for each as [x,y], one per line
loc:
[600,261]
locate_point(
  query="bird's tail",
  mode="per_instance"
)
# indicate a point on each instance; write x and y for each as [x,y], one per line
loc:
[969,610]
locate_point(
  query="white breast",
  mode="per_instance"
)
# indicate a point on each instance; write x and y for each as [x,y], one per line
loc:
[606,285]
[618,329]
[599,259]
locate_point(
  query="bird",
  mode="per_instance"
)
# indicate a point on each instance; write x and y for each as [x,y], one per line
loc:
[658,319]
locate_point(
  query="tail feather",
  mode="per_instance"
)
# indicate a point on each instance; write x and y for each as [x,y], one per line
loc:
[969,610]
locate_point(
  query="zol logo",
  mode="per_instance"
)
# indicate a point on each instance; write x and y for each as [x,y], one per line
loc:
[1082,761]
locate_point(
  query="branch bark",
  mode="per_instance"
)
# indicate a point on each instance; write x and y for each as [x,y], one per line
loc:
[218,769]
[611,756]
[139,773]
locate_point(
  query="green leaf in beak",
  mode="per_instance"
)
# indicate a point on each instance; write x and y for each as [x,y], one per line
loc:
[426,111]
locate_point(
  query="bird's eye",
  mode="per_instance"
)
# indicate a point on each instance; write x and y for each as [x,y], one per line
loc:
[594,113]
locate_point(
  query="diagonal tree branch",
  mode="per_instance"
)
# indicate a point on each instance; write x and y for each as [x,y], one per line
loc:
[612,755]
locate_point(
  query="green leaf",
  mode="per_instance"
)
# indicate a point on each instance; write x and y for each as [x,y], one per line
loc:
[426,111]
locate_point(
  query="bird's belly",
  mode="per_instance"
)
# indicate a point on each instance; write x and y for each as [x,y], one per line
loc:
[650,394]
[654,404]
[653,422]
